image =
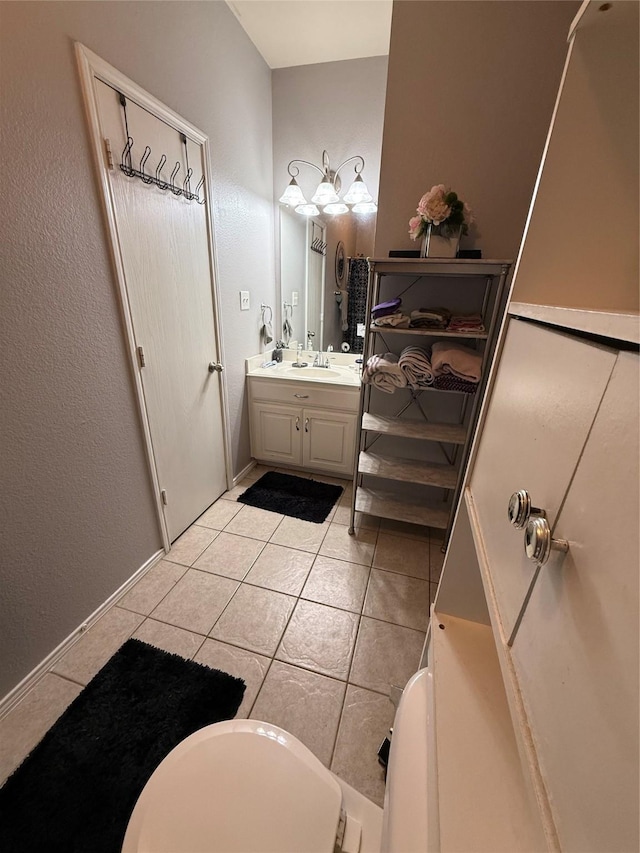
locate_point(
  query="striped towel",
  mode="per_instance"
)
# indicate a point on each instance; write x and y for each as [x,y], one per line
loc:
[457,360]
[384,373]
[415,363]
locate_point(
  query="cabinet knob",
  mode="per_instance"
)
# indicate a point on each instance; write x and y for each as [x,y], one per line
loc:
[520,509]
[538,543]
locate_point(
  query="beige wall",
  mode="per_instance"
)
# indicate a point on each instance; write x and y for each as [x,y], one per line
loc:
[75,502]
[470,94]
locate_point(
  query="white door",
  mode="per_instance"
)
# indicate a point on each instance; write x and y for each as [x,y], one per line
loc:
[329,441]
[276,433]
[164,245]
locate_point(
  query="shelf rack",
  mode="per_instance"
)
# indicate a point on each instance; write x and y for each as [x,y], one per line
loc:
[454,439]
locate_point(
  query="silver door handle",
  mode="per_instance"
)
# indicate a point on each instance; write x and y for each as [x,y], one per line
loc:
[520,510]
[302,396]
[215,367]
[298,424]
[306,424]
[538,542]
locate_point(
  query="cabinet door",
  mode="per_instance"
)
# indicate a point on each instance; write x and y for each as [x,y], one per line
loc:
[543,403]
[329,441]
[276,433]
[576,650]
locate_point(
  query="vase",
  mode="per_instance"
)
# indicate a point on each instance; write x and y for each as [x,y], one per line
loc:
[439,243]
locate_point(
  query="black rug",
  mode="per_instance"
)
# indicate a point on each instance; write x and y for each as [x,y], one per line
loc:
[75,792]
[294,496]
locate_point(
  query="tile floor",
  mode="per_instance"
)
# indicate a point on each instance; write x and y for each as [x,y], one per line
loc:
[319,624]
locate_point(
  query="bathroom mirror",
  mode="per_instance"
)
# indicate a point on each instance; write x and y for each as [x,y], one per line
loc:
[313,285]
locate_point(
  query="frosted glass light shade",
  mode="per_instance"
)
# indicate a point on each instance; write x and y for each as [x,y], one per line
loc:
[358,192]
[326,193]
[307,209]
[335,208]
[365,207]
[292,195]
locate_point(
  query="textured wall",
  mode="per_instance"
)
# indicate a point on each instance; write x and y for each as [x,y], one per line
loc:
[470,94]
[76,507]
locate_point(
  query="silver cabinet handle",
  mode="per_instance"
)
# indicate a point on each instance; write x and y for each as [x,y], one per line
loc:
[215,367]
[520,509]
[298,424]
[538,543]
[306,424]
[302,396]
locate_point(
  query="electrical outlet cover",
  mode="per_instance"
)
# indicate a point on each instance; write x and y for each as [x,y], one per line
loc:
[244,300]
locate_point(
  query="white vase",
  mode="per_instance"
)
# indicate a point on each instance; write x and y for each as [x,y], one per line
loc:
[436,245]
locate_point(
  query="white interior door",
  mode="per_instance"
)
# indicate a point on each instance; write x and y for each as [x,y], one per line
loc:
[164,246]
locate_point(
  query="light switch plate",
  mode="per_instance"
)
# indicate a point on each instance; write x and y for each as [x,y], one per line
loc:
[294,297]
[244,300]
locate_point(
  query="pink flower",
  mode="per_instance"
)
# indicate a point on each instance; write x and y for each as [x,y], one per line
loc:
[415,227]
[432,206]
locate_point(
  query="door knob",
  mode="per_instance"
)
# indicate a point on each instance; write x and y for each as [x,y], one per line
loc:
[215,367]
[520,509]
[538,543]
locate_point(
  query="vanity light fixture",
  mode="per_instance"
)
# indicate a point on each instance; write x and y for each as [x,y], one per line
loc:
[326,194]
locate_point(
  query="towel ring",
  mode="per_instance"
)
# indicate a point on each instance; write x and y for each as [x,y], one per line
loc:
[264,309]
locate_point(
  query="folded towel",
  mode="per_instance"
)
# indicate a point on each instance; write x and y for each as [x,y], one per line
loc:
[385,308]
[460,361]
[415,363]
[466,323]
[447,382]
[396,321]
[383,372]
[430,318]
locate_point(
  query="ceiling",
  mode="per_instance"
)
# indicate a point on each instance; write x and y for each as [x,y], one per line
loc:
[304,32]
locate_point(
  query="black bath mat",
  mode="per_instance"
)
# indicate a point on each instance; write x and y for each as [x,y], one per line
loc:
[75,792]
[294,496]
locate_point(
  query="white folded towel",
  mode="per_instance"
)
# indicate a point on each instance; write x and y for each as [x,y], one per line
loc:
[415,363]
[384,373]
[457,360]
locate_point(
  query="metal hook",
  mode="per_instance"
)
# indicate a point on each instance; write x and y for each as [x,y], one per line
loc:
[125,160]
[147,179]
[163,185]
[186,184]
[198,188]
[174,189]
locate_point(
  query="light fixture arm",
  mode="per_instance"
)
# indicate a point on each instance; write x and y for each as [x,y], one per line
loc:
[325,171]
[357,170]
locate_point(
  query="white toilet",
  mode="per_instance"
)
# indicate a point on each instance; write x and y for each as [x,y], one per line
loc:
[245,785]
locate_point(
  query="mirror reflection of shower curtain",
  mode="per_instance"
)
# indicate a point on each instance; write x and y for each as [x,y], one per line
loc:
[315,285]
[358,280]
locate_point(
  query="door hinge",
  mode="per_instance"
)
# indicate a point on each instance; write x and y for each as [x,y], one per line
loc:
[108,152]
[141,358]
[163,495]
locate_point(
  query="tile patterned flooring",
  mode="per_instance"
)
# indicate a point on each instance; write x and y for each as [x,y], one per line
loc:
[319,624]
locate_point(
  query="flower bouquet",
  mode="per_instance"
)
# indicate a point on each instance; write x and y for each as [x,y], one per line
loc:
[441,215]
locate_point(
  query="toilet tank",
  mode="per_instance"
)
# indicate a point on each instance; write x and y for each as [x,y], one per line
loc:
[410,822]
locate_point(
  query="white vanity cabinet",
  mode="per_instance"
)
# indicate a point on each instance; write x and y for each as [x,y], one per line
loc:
[303,424]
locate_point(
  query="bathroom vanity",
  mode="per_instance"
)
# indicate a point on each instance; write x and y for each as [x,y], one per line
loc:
[304,417]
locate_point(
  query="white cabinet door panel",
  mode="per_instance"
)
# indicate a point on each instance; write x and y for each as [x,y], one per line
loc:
[545,398]
[576,650]
[329,441]
[276,433]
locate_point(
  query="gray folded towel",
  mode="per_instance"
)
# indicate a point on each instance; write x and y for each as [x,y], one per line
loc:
[415,363]
[384,373]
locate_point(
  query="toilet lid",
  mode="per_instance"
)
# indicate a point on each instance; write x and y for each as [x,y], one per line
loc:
[235,787]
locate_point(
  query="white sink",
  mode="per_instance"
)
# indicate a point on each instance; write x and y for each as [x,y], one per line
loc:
[312,372]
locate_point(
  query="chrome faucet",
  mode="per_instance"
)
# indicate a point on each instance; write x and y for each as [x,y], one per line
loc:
[321,360]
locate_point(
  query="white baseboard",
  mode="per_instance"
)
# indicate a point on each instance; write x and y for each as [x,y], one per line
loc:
[244,472]
[14,696]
